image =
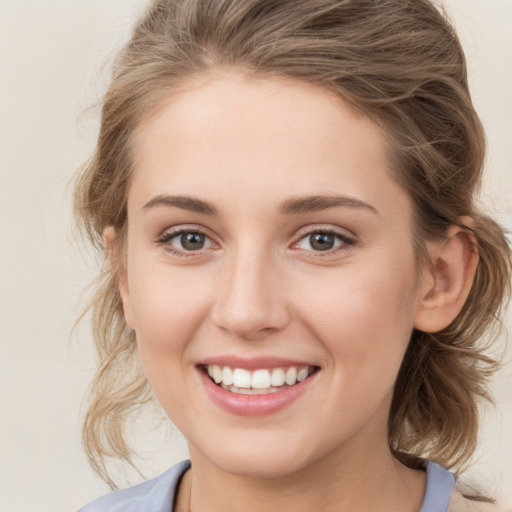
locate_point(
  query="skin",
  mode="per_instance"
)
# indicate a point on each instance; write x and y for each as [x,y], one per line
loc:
[247,147]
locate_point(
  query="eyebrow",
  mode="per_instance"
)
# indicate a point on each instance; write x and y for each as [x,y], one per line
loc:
[318,203]
[184,202]
[293,206]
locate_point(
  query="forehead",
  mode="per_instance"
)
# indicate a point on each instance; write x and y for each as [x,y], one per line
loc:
[260,136]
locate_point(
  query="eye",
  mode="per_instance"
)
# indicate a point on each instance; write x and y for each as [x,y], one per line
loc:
[323,241]
[191,241]
[185,241]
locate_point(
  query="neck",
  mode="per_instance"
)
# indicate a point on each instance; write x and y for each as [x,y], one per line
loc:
[355,478]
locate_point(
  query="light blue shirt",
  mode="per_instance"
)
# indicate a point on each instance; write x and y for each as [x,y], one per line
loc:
[157,495]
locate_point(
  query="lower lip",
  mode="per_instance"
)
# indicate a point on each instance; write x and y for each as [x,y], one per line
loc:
[254,405]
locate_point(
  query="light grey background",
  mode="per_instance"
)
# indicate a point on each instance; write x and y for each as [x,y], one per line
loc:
[52,55]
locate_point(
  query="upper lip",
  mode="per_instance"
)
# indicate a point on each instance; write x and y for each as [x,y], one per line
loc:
[253,363]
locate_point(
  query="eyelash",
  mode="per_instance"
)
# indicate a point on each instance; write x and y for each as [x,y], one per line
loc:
[166,237]
[345,241]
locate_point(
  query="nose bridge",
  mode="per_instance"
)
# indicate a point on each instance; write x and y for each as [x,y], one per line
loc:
[250,301]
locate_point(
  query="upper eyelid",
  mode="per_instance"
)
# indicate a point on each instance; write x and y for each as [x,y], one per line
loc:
[164,241]
[301,233]
[322,228]
[171,232]
[183,228]
[347,238]
[344,239]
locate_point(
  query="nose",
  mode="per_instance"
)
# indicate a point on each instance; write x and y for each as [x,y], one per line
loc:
[251,302]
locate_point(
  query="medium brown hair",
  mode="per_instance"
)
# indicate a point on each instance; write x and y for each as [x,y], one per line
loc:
[401,64]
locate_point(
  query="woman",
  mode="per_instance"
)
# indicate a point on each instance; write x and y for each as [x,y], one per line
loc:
[295,266]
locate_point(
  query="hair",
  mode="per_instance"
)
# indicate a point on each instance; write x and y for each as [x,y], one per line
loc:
[401,64]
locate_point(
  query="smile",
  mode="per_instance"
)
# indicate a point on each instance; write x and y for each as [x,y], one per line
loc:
[260,381]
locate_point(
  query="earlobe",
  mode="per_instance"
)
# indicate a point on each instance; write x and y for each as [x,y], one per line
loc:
[447,283]
[119,268]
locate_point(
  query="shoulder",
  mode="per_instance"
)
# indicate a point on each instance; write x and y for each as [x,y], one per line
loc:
[460,503]
[445,492]
[156,495]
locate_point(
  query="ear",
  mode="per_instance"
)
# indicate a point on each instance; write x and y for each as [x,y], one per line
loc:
[447,283]
[113,254]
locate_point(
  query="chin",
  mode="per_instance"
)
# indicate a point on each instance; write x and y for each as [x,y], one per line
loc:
[258,459]
[260,467]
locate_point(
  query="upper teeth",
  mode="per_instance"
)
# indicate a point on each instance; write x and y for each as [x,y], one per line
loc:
[257,379]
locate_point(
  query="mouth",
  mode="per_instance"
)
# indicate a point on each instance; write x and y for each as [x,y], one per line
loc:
[260,381]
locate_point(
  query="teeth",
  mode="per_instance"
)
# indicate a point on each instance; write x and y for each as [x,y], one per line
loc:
[217,374]
[261,381]
[277,378]
[227,376]
[250,391]
[242,378]
[302,374]
[291,376]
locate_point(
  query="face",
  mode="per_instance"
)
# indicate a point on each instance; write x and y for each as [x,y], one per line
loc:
[270,274]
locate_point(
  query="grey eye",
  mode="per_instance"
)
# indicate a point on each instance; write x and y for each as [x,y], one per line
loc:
[192,241]
[185,242]
[322,241]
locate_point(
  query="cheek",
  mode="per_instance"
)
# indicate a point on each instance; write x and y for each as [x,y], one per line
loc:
[168,313]
[168,309]
[364,316]
[162,294]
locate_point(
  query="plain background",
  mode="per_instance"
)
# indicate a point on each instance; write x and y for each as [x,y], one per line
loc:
[52,72]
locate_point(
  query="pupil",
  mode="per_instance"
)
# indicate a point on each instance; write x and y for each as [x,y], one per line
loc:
[321,241]
[192,241]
